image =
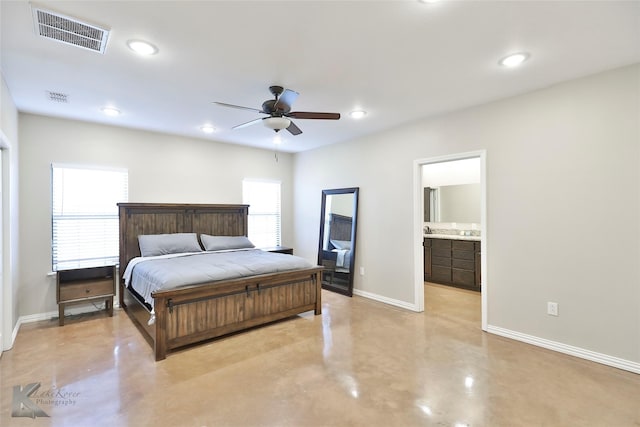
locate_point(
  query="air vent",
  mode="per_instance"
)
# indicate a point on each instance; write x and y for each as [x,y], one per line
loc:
[69,30]
[58,97]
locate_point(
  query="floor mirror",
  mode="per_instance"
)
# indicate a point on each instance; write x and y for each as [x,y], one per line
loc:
[337,242]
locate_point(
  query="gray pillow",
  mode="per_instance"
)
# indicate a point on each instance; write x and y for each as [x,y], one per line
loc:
[217,243]
[163,244]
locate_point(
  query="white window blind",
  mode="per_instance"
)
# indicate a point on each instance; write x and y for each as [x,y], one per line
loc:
[85,215]
[263,198]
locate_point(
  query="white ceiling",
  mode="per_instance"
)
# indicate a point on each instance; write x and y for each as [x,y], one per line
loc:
[400,60]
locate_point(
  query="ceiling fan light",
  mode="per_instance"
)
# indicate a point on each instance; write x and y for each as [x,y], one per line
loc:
[276,123]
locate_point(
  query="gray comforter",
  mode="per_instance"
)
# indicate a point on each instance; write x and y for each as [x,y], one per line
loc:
[148,276]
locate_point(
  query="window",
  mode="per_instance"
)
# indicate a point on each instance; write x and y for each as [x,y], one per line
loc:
[263,198]
[84,215]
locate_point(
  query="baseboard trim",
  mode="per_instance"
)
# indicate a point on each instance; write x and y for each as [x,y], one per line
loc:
[386,300]
[75,310]
[616,362]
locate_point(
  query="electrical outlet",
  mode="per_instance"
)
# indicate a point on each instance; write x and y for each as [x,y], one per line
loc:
[552,308]
[362,271]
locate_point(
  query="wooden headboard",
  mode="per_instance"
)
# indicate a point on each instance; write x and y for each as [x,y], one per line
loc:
[340,227]
[162,218]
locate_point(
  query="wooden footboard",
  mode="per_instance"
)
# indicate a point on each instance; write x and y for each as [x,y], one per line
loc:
[198,313]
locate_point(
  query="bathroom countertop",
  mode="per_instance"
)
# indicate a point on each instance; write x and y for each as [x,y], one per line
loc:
[453,237]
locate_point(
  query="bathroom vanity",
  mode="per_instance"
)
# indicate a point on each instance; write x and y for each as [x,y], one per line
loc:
[452,260]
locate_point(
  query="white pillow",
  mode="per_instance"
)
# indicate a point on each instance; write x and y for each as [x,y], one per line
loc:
[217,243]
[163,244]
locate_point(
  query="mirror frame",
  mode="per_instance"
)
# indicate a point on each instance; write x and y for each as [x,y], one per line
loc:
[355,191]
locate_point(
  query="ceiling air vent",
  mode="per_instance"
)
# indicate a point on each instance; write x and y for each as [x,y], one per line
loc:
[58,97]
[69,30]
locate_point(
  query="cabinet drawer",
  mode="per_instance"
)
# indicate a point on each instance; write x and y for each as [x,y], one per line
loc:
[463,277]
[463,245]
[441,252]
[468,255]
[441,243]
[463,264]
[441,273]
[86,289]
[441,261]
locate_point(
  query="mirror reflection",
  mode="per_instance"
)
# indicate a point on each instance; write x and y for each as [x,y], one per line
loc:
[336,249]
[452,203]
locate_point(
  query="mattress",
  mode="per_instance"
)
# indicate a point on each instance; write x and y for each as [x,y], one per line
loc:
[151,274]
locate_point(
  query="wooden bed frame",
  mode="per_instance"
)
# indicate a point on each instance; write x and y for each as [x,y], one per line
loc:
[196,313]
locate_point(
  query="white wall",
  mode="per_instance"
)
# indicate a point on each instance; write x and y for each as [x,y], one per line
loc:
[10,216]
[162,168]
[563,202]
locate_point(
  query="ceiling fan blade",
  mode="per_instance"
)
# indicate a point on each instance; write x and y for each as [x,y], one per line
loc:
[293,129]
[239,107]
[312,115]
[244,125]
[285,100]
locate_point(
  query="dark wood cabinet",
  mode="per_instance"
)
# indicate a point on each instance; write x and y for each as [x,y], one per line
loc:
[427,259]
[84,285]
[452,262]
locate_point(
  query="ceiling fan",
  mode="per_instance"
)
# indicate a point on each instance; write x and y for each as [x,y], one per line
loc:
[279,112]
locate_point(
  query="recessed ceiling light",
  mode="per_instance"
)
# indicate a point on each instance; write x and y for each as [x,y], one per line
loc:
[357,114]
[428,1]
[514,59]
[142,47]
[111,111]
[207,129]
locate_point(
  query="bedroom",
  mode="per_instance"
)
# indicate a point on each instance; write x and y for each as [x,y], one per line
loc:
[554,157]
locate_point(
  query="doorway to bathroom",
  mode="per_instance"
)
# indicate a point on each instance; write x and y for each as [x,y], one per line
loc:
[453,206]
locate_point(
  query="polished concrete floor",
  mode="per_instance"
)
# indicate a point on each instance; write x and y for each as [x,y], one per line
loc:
[361,363]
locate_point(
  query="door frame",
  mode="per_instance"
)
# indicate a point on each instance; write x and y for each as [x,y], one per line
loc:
[418,222]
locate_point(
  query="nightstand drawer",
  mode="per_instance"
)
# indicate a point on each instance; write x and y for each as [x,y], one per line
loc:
[86,289]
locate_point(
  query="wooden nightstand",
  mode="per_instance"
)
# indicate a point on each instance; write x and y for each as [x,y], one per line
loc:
[85,284]
[279,249]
